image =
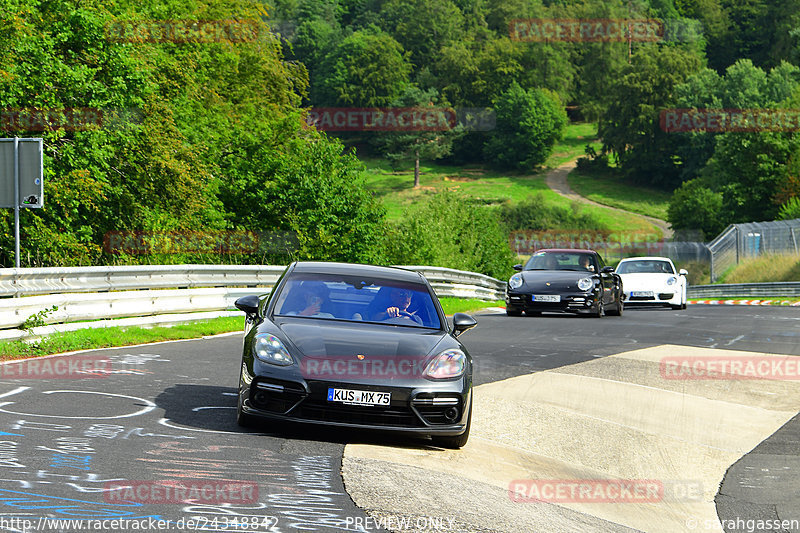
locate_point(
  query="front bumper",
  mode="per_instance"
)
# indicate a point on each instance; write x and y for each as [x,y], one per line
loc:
[665,296]
[578,302]
[440,408]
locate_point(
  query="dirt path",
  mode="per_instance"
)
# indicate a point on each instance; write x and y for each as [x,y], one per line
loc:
[556,179]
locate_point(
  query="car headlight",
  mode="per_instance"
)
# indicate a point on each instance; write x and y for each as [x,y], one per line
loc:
[672,280]
[446,365]
[585,284]
[270,349]
[515,282]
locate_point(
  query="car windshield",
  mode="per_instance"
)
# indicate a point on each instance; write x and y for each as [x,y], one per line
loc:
[357,299]
[561,261]
[645,267]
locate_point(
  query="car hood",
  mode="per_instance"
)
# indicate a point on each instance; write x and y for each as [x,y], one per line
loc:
[645,281]
[558,279]
[330,338]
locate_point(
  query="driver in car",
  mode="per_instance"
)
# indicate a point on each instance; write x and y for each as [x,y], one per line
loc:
[400,300]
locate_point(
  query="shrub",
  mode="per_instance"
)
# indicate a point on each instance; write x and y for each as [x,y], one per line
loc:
[448,230]
[528,125]
[696,207]
[790,210]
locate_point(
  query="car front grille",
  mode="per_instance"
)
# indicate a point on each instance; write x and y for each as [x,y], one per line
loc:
[276,396]
[324,411]
[438,409]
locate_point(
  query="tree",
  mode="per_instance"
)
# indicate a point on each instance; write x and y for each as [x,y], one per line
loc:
[422,144]
[423,26]
[367,69]
[528,124]
[630,125]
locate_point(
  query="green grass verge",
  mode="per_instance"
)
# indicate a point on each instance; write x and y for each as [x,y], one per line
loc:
[612,191]
[466,305]
[87,339]
[573,144]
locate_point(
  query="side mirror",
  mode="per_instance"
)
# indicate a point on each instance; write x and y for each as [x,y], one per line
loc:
[518,268]
[248,304]
[462,322]
[608,269]
[683,272]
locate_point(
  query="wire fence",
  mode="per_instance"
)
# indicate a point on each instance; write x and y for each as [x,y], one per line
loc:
[737,242]
[741,241]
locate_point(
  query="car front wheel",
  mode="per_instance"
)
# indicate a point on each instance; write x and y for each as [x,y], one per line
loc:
[618,310]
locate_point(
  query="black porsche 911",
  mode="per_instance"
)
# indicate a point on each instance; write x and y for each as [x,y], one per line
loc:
[356,346]
[567,281]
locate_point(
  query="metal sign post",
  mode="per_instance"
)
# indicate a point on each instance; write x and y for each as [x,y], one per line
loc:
[16,202]
[21,179]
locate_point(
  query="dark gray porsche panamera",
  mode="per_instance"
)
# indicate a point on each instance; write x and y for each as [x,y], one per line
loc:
[565,281]
[356,346]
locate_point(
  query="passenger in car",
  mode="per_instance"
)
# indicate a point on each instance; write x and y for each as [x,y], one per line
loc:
[313,299]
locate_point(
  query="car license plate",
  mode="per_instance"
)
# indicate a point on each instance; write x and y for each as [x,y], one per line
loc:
[641,293]
[359,397]
[546,297]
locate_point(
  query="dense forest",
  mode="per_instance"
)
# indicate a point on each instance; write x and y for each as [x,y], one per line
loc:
[206,130]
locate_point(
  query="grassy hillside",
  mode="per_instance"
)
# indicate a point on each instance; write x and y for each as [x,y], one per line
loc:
[395,188]
[768,267]
[613,191]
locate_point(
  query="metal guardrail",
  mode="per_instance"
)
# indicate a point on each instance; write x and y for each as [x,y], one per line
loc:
[30,281]
[745,290]
[91,293]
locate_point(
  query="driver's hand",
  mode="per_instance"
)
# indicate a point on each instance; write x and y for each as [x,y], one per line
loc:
[312,309]
[393,312]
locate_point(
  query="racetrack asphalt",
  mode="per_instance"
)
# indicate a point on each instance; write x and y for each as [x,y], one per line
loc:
[165,412]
